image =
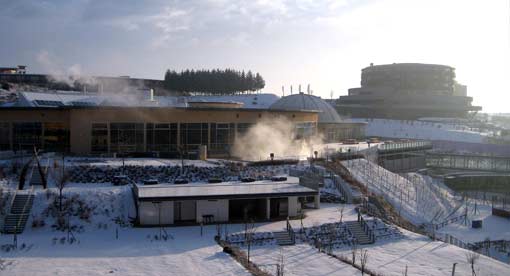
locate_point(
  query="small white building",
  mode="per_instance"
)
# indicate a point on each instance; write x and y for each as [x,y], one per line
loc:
[174,204]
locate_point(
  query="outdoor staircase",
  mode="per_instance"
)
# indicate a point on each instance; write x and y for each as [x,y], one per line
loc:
[283,238]
[36,178]
[358,232]
[17,218]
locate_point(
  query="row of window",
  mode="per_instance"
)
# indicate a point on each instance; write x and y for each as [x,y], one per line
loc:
[162,137]
[27,135]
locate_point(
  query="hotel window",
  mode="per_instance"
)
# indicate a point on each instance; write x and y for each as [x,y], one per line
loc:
[126,137]
[99,137]
[222,136]
[161,137]
[26,136]
[56,137]
[305,130]
[194,135]
[5,136]
[242,128]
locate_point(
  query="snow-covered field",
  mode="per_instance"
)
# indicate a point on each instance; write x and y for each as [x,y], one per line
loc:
[139,251]
[301,259]
[134,253]
[425,257]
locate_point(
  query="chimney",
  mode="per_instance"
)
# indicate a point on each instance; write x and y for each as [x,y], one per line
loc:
[308,89]
[300,89]
[291,89]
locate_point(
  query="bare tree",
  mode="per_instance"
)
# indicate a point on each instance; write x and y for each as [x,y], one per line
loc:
[61,179]
[341,210]
[354,251]
[249,233]
[280,266]
[363,260]
[471,258]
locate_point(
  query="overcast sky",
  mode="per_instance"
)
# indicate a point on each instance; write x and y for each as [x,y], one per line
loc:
[324,43]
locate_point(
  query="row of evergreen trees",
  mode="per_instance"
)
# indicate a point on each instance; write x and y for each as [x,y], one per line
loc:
[214,81]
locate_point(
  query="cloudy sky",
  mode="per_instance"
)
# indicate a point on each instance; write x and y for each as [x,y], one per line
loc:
[324,43]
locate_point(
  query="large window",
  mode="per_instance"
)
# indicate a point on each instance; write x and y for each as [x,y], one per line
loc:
[193,135]
[99,138]
[222,136]
[56,137]
[161,137]
[26,136]
[242,128]
[5,136]
[126,137]
[305,130]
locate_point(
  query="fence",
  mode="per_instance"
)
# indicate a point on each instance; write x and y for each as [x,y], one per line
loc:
[449,221]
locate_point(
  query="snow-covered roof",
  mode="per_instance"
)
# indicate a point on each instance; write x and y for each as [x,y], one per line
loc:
[304,101]
[265,188]
[60,98]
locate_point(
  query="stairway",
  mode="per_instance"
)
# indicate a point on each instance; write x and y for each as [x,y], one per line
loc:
[358,232]
[36,177]
[283,238]
[17,218]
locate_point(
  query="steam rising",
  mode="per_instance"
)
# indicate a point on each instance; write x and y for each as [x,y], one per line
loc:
[272,136]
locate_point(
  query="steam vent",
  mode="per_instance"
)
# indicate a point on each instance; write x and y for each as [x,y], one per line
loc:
[330,125]
[407,91]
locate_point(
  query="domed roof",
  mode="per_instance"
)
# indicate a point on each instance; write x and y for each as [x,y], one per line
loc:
[304,101]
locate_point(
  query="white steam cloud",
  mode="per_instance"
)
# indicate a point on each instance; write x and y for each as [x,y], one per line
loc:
[61,74]
[275,135]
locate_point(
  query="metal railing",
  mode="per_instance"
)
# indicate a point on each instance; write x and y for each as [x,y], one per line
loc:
[366,227]
[449,221]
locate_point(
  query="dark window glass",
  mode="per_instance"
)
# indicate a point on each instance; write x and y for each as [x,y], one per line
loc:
[26,136]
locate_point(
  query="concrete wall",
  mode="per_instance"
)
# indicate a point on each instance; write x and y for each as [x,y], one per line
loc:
[149,213]
[217,208]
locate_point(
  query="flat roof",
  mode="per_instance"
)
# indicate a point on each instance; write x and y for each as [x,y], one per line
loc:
[225,190]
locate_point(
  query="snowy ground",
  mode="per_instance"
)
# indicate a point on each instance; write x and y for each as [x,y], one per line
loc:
[425,257]
[137,252]
[419,198]
[494,227]
[99,253]
[301,259]
[421,255]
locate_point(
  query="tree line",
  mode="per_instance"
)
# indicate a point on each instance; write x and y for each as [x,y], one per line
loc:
[214,81]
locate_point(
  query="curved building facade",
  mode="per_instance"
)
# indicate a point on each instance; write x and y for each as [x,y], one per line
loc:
[407,91]
[329,125]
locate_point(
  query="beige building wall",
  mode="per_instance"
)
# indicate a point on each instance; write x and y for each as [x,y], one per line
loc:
[81,119]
